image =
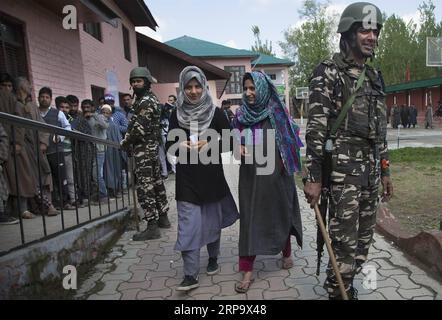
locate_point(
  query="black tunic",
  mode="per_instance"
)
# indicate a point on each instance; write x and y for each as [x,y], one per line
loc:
[268,206]
[200,183]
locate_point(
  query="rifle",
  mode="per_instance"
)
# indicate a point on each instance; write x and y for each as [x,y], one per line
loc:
[323,207]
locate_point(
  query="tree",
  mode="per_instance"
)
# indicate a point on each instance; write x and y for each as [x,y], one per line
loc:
[397,50]
[429,28]
[310,43]
[259,46]
[402,45]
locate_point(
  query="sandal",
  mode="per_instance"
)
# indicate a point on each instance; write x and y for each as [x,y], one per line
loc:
[27,215]
[243,286]
[287,263]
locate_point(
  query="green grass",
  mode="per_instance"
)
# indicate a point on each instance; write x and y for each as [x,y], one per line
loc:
[417,156]
[417,179]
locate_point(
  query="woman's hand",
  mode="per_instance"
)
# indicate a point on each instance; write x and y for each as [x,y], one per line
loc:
[244,152]
[200,144]
[186,145]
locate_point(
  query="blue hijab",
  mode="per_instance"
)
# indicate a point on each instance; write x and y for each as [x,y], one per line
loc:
[269,105]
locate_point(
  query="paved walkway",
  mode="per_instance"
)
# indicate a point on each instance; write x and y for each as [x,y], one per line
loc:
[152,270]
[34,229]
[414,138]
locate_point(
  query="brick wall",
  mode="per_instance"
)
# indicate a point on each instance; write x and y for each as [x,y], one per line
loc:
[53,54]
[419,98]
[99,57]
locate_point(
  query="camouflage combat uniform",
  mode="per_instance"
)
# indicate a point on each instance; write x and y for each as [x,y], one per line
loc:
[359,158]
[144,134]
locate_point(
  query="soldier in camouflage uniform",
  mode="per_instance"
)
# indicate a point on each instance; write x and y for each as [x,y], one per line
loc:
[359,153]
[143,139]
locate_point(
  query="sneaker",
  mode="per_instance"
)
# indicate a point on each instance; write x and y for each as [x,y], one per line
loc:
[68,206]
[188,283]
[212,267]
[152,232]
[52,212]
[82,204]
[27,215]
[163,222]
[102,201]
[8,220]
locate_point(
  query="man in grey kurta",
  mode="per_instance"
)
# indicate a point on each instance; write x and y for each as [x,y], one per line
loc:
[429,117]
[99,127]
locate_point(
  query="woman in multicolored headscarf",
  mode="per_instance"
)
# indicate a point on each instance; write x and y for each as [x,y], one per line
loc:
[204,202]
[268,201]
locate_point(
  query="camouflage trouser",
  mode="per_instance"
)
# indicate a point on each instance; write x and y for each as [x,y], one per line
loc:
[351,226]
[150,186]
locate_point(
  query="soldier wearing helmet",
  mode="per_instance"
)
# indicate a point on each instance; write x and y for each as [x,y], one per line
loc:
[143,138]
[347,153]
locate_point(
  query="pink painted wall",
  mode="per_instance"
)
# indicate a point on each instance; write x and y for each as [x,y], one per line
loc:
[221,63]
[164,90]
[53,54]
[98,57]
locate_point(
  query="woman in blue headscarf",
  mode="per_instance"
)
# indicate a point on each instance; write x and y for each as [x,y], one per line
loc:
[268,201]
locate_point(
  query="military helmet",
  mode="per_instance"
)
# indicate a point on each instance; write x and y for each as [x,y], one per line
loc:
[142,72]
[360,12]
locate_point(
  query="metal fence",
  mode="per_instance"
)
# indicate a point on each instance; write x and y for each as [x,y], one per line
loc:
[42,227]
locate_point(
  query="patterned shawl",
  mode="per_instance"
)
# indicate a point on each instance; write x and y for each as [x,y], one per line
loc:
[269,105]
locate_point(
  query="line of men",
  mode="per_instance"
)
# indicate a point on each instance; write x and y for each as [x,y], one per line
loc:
[95,168]
[407,115]
[404,115]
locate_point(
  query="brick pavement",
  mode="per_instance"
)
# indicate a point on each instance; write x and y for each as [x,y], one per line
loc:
[152,270]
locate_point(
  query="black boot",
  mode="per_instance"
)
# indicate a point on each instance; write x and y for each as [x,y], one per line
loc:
[352,294]
[152,232]
[163,222]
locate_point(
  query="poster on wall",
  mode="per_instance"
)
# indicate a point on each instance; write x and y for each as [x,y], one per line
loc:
[112,85]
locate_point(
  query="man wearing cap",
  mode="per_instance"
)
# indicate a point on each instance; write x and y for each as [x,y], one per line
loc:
[347,125]
[143,135]
[118,115]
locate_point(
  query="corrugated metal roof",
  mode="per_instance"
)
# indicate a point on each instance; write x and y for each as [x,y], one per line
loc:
[201,48]
[265,59]
[426,83]
[138,12]
[212,72]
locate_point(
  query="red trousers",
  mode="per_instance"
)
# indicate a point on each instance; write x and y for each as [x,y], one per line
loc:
[246,263]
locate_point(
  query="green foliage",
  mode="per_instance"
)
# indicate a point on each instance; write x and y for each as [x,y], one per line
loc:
[260,47]
[397,49]
[402,45]
[310,43]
